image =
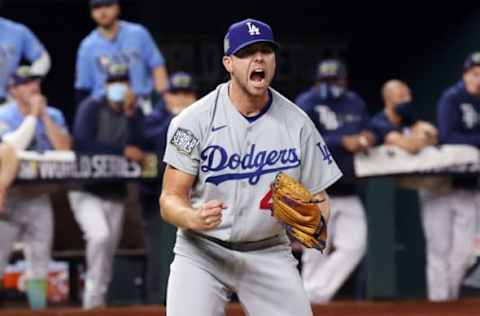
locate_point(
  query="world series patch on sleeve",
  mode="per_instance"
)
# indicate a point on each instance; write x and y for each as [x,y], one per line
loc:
[184,141]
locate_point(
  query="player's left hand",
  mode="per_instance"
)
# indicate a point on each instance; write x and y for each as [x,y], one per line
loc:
[366,139]
[427,131]
[38,103]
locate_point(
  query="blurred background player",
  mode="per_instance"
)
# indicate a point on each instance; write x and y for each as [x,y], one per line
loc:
[341,117]
[28,211]
[17,42]
[449,218]
[398,123]
[108,125]
[160,235]
[117,41]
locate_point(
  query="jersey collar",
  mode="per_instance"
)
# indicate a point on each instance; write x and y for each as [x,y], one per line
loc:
[248,120]
[117,36]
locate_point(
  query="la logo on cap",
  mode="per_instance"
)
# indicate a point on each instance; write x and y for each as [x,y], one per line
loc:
[252,29]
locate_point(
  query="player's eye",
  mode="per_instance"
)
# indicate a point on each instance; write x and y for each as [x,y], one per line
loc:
[245,52]
[267,50]
[253,49]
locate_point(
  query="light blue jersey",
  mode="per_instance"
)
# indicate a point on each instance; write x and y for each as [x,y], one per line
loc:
[16,41]
[11,118]
[133,45]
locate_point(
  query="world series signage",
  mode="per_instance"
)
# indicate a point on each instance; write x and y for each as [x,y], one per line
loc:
[68,165]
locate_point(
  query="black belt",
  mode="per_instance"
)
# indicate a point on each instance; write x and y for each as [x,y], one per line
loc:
[3,100]
[241,245]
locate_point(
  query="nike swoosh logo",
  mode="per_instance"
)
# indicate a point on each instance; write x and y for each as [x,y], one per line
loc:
[214,129]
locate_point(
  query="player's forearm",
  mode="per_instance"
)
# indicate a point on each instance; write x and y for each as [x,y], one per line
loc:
[176,210]
[410,144]
[57,135]
[161,78]
[9,165]
[22,136]
[323,202]
[41,66]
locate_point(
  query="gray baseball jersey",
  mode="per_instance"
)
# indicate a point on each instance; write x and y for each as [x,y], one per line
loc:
[235,160]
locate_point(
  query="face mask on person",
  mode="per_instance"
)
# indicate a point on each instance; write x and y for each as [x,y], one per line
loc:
[407,112]
[117,92]
[330,90]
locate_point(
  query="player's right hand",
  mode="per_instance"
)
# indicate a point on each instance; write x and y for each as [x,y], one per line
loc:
[351,143]
[133,153]
[208,216]
[38,104]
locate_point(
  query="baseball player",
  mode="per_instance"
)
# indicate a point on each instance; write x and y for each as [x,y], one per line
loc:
[180,94]
[117,41]
[449,218]
[398,123]
[17,42]
[223,152]
[28,212]
[109,125]
[341,117]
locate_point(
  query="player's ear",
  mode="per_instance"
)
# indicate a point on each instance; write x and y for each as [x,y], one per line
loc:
[227,63]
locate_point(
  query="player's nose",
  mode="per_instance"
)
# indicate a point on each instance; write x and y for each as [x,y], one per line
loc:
[258,56]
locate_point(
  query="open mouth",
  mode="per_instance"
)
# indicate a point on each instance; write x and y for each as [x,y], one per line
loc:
[257,75]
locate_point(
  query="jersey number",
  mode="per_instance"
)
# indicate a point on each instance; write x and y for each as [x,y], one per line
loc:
[266,202]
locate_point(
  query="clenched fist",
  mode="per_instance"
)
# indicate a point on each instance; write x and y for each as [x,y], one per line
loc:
[207,217]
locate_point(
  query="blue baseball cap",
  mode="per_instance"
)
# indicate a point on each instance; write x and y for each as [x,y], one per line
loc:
[23,75]
[100,3]
[117,72]
[472,60]
[247,32]
[331,69]
[181,81]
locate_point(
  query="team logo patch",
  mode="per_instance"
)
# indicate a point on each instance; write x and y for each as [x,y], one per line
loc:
[184,141]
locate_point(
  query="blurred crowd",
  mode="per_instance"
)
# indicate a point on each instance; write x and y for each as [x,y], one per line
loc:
[125,101]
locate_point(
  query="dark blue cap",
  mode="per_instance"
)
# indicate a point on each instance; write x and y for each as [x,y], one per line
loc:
[247,32]
[331,69]
[117,72]
[472,60]
[22,75]
[181,81]
[99,3]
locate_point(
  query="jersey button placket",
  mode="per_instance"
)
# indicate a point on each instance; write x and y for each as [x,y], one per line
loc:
[243,185]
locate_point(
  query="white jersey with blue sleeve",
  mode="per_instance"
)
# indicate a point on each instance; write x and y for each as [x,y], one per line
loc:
[236,160]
